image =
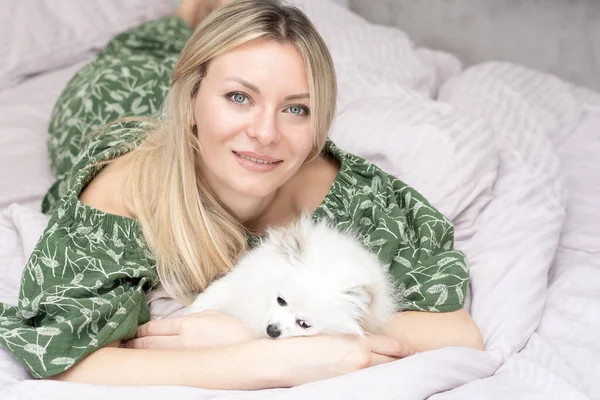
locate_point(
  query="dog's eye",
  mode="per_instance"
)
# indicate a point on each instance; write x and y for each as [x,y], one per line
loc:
[302,324]
[281,301]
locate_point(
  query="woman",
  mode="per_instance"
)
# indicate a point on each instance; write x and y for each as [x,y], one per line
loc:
[241,145]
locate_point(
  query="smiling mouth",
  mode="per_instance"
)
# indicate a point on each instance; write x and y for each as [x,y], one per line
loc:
[256,160]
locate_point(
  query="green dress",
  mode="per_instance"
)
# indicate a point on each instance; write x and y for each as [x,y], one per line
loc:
[86,281]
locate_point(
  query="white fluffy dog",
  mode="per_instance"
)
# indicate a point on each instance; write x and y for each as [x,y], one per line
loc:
[304,279]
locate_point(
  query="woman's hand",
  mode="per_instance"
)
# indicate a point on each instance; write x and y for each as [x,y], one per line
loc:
[384,349]
[193,331]
[313,358]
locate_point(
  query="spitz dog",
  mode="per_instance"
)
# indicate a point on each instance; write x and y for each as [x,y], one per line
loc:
[305,279]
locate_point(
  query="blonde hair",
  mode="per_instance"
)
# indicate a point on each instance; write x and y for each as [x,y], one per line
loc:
[194,238]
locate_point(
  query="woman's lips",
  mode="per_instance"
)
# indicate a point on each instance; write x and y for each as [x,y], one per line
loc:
[257,157]
[256,162]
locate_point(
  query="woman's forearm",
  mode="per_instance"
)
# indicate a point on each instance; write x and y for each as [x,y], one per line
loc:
[428,331]
[250,365]
[258,364]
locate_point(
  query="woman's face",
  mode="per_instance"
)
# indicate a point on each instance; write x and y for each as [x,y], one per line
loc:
[253,119]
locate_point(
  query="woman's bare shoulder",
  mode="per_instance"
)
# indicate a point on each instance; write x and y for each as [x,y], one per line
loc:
[313,181]
[105,191]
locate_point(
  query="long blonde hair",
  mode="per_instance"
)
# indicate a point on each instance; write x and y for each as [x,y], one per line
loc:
[194,238]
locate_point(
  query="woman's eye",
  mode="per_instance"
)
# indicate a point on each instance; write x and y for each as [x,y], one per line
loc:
[298,110]
[281,301]
[238,98]
[303,324]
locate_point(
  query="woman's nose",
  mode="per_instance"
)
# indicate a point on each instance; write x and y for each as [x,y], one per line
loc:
[264,128]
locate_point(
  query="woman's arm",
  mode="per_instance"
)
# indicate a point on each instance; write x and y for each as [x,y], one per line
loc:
[257,364]
[428,331]
[245,366]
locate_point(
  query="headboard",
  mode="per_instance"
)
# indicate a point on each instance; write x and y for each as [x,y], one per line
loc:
[557,36]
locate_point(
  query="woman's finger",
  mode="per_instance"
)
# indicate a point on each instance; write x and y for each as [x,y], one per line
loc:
[386,346]
[160,327]
[154,342]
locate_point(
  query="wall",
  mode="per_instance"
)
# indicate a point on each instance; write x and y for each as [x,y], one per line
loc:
[558,36]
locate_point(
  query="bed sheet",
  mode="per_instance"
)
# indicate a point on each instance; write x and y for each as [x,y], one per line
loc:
[24,114]
[561,359]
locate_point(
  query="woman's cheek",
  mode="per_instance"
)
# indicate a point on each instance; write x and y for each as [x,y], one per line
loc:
[301,139]
[223,124]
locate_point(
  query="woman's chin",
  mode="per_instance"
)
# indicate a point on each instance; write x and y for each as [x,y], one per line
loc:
[257,193]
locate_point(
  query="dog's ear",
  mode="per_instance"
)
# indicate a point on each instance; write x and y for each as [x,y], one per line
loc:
[362,294]
[291,241]
[362,298]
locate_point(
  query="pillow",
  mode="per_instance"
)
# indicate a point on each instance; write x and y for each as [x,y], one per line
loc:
[451,159]
[49,34]
[24,113]
[377,52]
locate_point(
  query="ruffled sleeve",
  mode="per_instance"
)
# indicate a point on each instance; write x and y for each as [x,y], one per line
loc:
[432,275]
[83,287]
[412,238]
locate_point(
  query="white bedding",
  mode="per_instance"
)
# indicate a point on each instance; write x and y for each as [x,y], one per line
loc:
[498,153]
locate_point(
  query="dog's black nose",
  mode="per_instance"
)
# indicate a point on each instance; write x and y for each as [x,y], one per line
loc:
[273,330]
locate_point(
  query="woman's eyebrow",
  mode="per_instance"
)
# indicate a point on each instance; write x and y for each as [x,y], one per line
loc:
[250,86]
[298,96]
[255,89]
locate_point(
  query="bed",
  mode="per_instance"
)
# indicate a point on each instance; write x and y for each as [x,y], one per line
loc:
[508,153]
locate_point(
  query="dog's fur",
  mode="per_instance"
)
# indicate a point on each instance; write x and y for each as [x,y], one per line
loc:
[306,272]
